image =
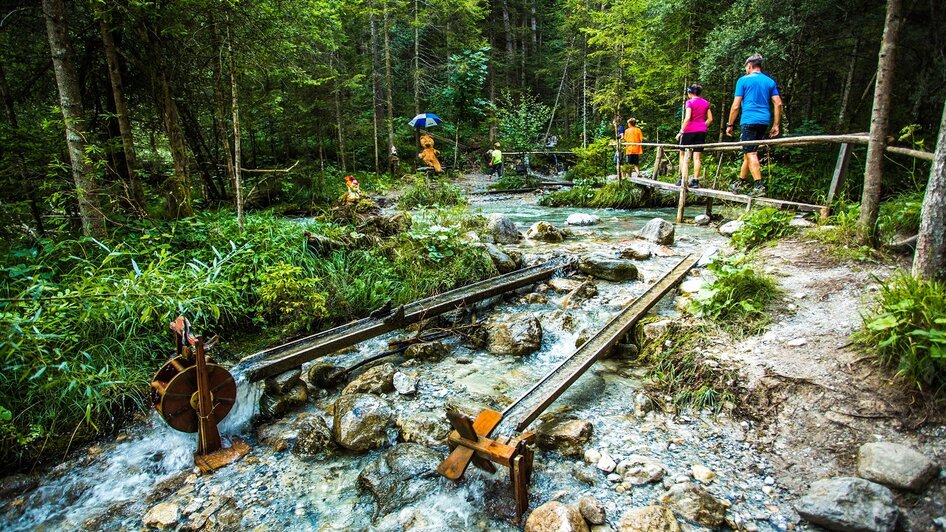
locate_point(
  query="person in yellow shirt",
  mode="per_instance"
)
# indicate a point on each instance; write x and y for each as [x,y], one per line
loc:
[632,153]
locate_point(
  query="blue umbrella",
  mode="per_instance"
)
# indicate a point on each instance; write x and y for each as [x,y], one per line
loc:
[425,120]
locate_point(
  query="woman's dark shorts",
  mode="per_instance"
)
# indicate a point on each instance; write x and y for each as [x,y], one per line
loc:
[753,132]
[689,139]
[632,158]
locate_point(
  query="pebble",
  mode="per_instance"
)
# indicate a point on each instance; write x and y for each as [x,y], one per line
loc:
[702,473]
[768,490]
[797,342]
[592,456]
[769,481]
[606,463]
[620,488]
[614,477]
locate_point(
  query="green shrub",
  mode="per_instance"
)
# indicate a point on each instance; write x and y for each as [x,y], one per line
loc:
[900,216]
[291,298]
[515,182]
[424,192]
[738,299]
[594,162]
[840,234]
[761,226]
[905,328]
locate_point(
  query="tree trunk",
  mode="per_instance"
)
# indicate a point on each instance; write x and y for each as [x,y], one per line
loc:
[220,108]
[929,261]
[880,116]
[848,82]
[93,221]
[387,79]
[492,89]
[510,45]
[416,60]
[338,117]
[179,198]
[121,111]
[377,107]
[29,184]
[237,155]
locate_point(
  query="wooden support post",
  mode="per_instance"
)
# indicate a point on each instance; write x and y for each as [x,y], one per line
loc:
[681,203]
[840,170]
[657,160]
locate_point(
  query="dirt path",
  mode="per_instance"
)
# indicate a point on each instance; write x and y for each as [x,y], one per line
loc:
[818,402]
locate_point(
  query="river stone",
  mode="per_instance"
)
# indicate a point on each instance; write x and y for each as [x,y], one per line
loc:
[16,485]
[361,421]
[728,228]
[849,503]
[801,222]
[895,465]
[642,405]
[581,219]
[426,428]
[405,384]
[655,329]
[432,351]
[325,375]
[163,515]
[648,519]
[314,436]
[283,382]
[583,336]
[702,473]
[279,405]
[404,474]
[702,219]
[280,435]
[691,501]
[503,262]
[591,510]
[563,285]
[568,438]
[607,268]
[545,232]
[638,470]
[554,516]
[637,251]
[657,230]
[519,334]
[535,298]
[502,229]
[691,286]
[606,463]
[585,291]
[379,379]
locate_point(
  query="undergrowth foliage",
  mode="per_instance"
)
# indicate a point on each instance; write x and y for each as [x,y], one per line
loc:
[84,322]
[905,329]
[613,195]
[761,226]
[739,298]
[424,192]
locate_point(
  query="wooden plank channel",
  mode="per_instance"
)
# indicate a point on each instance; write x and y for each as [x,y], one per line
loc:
[531,404]
[729,196]
[276,360]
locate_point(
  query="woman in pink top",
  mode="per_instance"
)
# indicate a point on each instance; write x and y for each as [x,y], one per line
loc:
[696,117]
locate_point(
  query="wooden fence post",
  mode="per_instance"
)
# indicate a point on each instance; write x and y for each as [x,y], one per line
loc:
[657,161]
[840,169]
[681,203]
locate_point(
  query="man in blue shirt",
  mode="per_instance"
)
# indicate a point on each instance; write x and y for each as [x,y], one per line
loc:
[753,93]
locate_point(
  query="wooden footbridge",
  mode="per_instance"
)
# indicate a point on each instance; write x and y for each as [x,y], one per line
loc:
[472,440]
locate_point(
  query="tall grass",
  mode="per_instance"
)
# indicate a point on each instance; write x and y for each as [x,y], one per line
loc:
[611,196]
[424,192]
[905,328]
[83,323]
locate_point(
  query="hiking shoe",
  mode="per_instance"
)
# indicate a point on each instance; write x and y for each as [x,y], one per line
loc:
[758,190]
[694,183]
[735,186]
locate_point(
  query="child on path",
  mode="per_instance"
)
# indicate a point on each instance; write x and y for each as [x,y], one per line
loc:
[632,153]
[496,161]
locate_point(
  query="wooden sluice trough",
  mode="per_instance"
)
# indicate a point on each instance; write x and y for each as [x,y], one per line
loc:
[472,440]
[272,362]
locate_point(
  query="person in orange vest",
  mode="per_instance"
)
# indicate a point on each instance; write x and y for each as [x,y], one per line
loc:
[632,153]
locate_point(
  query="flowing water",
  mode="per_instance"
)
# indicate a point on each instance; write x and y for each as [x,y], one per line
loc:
[115,483]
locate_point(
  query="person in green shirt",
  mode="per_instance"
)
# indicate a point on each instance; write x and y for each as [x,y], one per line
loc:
[495,161]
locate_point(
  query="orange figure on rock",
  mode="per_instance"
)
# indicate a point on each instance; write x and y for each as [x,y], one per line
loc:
[429,153]
[354,191]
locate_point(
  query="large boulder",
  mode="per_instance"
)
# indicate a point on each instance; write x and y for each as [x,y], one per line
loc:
[691,501]
[608,268]
[545,232]
[503,262]
[404,474]
[568,438]
[895,465]
[592,510]
[432,351]
[426,428]
[283,382]
[503,229]
[313,437]
[849,503]
[361,421]
[582,219]
[576,297]
[271,405]
[702,219]
[728,228]
[637,251]
[637,470]
[554,516]
[657,230]
[648,519]
[519,334]
[379,379]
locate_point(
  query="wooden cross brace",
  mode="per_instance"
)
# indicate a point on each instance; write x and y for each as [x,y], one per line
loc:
[470,442]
